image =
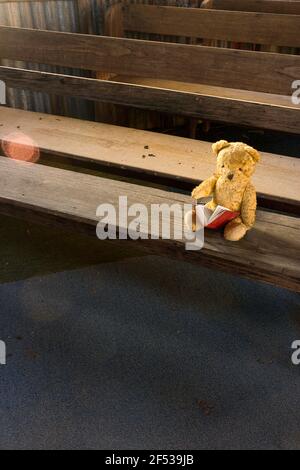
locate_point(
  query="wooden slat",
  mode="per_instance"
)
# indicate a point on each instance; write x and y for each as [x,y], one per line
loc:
[179,159]
[30,1]
[255,71]
[221,92]
[283,116]
[258,28]
[242,107]
[270,252]
[289,7]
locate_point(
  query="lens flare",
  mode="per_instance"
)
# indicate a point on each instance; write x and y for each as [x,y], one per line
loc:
[19,146]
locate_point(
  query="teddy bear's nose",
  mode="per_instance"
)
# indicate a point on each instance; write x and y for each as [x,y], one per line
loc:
[230,176]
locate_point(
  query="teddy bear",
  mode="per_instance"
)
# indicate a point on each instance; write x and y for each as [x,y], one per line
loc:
[231,186]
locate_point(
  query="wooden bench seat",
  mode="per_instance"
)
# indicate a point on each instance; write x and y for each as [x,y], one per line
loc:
[270,253]
[206,26]
[176,158]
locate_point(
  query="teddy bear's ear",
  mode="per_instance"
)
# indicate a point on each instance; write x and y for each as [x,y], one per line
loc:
[254,153]
[219,146]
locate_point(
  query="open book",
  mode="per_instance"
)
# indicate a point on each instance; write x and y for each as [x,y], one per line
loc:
[213,219]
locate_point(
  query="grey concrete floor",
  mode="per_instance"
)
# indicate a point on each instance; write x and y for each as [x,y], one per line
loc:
[144,353]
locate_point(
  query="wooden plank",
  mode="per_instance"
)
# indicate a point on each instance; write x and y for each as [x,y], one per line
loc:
[180,159]
[210,90]
[249,27]
[31,1]
[283,116]
[114,21]
[288,7]
[270,252]
[255,71]
[108,112]
[242,107]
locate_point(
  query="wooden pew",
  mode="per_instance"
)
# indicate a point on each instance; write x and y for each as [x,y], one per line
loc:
[283,7]
[274,7]
[50,195]
[248,102]
[67,199]
[179,161]
[239,26]
[202,25]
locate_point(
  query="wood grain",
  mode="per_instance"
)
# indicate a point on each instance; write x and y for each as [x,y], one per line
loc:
[251,27]
[289,7]
[270,252]
[257,71]
[177,158]
[29,1]
[284,116]
[210,90]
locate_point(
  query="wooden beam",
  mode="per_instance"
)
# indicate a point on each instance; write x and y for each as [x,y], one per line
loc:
[249,27]
[113,27]
[236,111]
[31,1]
[147,153]
[114,21]
[289,7]
[257,71]
[270,252]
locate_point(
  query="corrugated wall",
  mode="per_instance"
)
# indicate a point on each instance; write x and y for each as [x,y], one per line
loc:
[82,16]
[62,15]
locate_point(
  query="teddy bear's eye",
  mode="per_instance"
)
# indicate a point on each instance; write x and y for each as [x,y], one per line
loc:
[223,166]
[241,169]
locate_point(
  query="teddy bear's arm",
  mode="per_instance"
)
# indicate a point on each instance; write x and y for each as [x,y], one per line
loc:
[205,189]
[248,209]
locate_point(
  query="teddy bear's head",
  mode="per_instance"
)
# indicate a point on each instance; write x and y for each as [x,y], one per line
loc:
[235,161]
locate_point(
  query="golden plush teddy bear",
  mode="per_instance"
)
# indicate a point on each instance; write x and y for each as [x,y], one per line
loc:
[231,186]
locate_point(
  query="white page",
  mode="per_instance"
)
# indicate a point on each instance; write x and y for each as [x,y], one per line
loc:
[207,216]
[217,213]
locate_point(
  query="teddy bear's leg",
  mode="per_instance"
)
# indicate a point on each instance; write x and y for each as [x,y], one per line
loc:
[235,230]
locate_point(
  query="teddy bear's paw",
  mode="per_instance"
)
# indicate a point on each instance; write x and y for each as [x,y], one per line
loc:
[235,231]
[198,193]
